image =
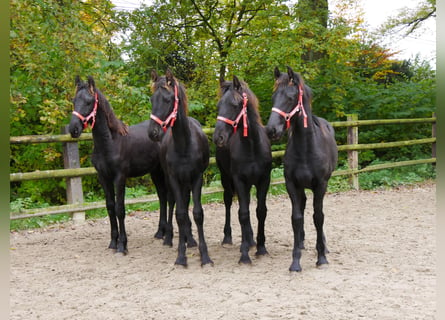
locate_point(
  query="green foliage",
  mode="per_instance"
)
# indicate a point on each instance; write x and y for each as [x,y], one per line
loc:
[389,178]
[202,42]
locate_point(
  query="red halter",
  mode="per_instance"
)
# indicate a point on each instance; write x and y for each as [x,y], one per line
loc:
[92,115]
[298,108]
[243,113]
[172,117]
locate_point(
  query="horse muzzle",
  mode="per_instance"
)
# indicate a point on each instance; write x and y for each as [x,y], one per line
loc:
[220,141]
[273,133]
[75,129]
[155,133]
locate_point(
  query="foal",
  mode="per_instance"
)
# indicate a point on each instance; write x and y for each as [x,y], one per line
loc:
[184,156]
[244,158]
[311,155]
[119,152]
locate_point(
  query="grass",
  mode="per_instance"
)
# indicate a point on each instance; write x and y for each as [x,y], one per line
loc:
[386,178]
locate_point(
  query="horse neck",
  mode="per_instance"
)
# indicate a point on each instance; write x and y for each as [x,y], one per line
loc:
[303,136]
[253,131]
[181,131]
[102,135]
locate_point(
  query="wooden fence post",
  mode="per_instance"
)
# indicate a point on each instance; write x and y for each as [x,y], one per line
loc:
[74,192]
[433,134]
[353,154]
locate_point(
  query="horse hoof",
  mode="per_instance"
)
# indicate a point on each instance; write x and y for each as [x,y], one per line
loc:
[159,234]
[227,240]
[245,261]
[181,262]
[295,267]
[322,261]
[168,242]
[207,262]
[261,252]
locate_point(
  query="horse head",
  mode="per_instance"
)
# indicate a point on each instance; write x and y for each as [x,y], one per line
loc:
[291,98]
[168,99]
[85,106]
[235,96]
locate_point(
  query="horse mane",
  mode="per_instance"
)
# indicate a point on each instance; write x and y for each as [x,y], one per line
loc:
[162,82]
[115,124]
[237,98]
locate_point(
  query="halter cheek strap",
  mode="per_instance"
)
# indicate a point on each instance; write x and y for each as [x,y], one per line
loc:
[91,116]
[243,113]
[298,108]
[172,116]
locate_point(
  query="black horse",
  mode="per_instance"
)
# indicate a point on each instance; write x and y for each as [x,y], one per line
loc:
[184,156]
[244,158]
[311,155]
[119,152]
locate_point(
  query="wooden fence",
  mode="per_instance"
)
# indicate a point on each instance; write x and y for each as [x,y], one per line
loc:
[73,173]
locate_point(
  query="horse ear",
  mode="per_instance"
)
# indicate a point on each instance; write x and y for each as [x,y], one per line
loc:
[77,81]
[154,75]
[169,76]
[236,83]
[91,85]
[277,73]
[291,74]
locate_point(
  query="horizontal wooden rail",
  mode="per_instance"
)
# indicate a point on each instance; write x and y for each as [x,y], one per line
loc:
[381,166]
[88,136]
[380,145]
[51,174]
[80,172]
[70,208]
[381,122]
[49,138]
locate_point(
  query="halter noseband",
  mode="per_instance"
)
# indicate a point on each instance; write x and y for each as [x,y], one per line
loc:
[298,108]
[91,116]
[172,116]
[243,113]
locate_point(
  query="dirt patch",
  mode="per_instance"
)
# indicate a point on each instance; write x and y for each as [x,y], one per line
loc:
[382,265]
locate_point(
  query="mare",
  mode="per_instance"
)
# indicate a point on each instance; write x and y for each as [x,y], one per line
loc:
[184,155]
[244,158]
[119,152]
[311,155]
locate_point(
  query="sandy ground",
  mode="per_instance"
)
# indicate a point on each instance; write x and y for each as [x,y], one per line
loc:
[382,265]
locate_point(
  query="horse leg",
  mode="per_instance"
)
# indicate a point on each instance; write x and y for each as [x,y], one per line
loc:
[318,216]
[297,196]
[248,226]
[120,212]
[261,213]
[165,228]
[191,242]
[111,206]
[182,220]
[228,198]
[198,216]
[302,208]
[168,236]
[244,220]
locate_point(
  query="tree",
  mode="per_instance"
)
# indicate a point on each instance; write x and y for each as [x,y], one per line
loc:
[50,42]
[411,20]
